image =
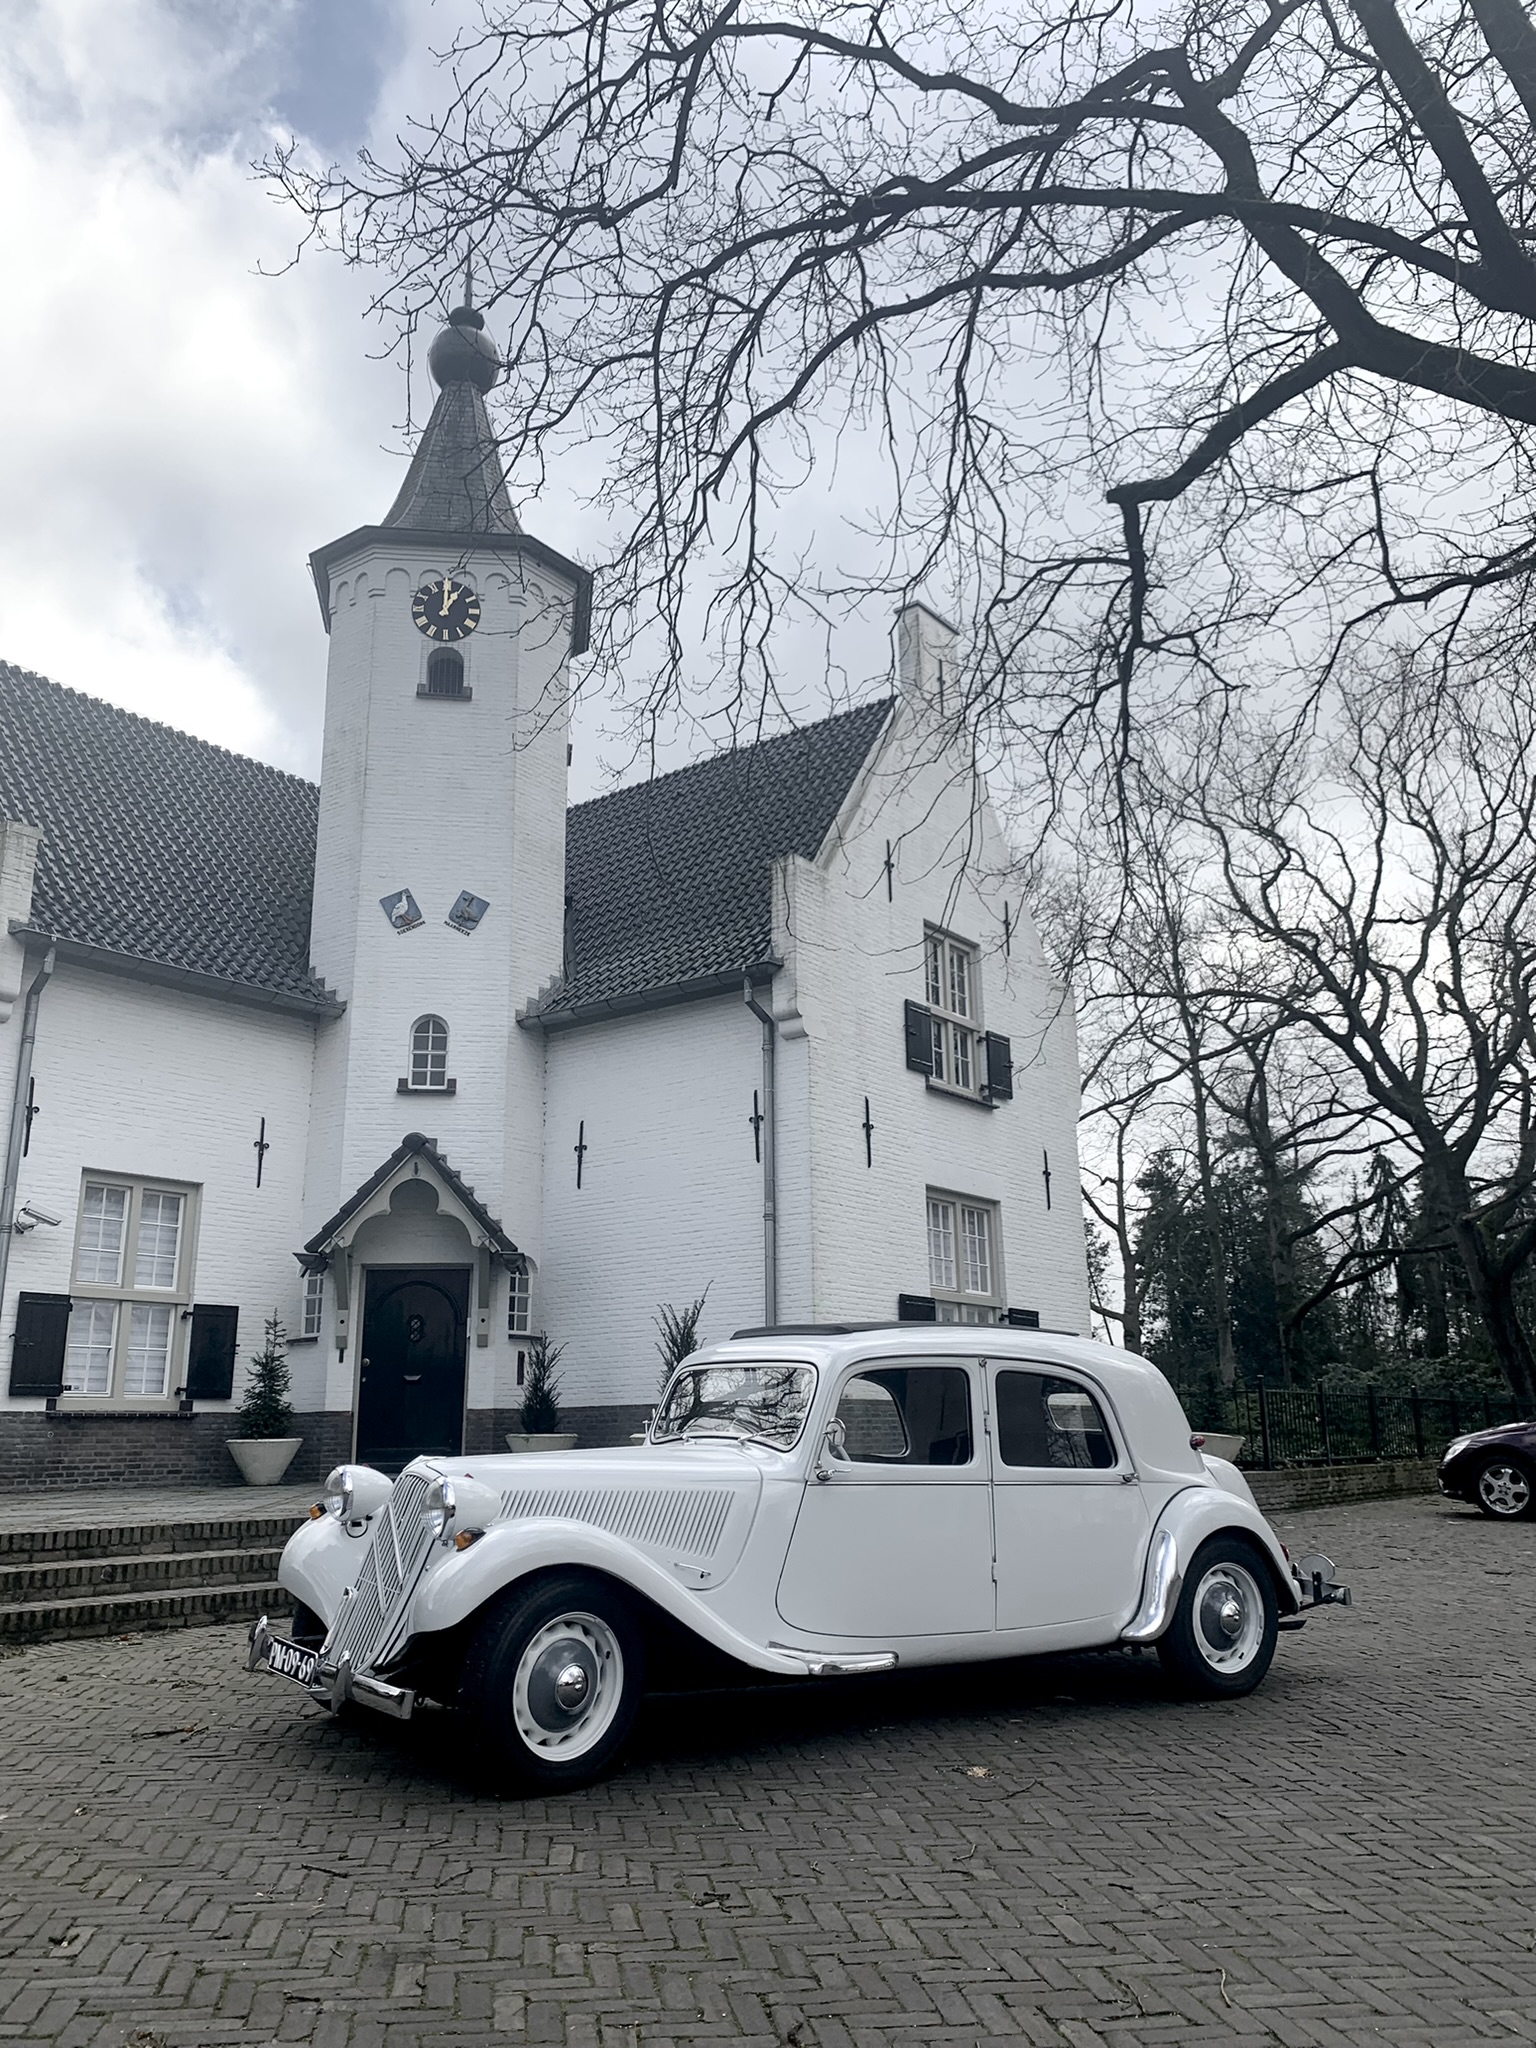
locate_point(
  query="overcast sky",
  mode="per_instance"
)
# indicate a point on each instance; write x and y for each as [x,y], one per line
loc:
[179,428]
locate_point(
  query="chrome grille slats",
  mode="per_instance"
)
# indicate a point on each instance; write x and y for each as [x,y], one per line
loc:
[684,1523]
[373,1613]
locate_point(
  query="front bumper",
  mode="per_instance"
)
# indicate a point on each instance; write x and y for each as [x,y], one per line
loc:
[334,1684]
[1316,1585]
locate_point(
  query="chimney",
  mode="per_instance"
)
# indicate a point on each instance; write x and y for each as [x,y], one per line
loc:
[927,661]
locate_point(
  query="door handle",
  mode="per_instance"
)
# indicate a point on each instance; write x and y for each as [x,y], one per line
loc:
[411,1378]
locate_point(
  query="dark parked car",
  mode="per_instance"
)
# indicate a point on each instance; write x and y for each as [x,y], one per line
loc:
[1495,1469]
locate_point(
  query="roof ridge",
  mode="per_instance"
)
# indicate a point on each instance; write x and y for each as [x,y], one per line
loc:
[10,669]
[795,732]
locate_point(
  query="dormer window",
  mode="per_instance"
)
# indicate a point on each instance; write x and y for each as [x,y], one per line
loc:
[428,1060]
[445,675]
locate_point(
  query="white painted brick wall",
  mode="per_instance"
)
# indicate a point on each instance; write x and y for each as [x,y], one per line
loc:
[140,1080]
[671,1199]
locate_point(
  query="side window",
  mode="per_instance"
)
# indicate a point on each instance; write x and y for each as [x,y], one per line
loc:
[907,1415]
[1048,1422]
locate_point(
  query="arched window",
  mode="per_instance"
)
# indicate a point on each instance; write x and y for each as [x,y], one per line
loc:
[429,1053]
[445,673]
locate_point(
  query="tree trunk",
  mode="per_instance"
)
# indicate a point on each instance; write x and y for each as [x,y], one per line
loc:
[1493,1295]
[1221,1301]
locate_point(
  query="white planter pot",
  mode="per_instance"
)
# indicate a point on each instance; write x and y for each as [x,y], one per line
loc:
[263,1459]
[562,1440]
[1219,1445]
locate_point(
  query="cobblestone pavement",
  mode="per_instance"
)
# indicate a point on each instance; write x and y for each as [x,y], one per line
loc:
[1054,1854]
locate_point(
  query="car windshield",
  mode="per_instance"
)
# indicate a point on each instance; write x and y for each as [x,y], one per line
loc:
[761,1404]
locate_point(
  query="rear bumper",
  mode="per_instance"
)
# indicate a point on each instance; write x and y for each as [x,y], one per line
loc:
[333,1685]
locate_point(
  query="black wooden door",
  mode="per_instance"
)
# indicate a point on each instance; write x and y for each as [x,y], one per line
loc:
[411,1400]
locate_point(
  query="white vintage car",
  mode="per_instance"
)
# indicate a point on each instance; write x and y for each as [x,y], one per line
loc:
[809,1503]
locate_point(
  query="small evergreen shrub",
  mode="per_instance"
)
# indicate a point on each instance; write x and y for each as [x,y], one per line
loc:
[266,1410]
[541,1387]
[679,1332]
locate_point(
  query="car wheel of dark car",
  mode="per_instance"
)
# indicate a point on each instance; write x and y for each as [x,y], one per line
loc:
[1222,1637]
[1506,1488]
[551,1684]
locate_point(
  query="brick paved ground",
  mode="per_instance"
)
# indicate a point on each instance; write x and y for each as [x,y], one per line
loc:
[192,1856]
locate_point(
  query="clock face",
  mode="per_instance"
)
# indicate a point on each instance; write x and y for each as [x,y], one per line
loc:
[445,610]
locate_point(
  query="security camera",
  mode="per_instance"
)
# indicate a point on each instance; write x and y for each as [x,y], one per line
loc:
[40,1215]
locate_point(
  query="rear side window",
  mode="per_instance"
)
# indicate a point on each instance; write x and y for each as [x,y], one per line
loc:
[1048,1422]
[907,1415]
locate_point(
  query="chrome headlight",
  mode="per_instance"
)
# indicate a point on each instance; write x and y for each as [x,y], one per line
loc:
[438,1510]
[339,1492]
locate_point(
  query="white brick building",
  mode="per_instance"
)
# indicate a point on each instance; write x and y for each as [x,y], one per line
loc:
[422,1061]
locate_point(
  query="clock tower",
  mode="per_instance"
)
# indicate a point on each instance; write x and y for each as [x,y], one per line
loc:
[439,874]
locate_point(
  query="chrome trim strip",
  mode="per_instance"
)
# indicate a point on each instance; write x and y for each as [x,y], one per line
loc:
[1164,1578]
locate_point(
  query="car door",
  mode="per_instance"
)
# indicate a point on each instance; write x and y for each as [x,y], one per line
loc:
[898,1540]
[1071,1520]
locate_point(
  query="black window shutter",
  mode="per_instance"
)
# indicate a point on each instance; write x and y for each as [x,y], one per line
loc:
[919,1039]
[42,1331]
[211,1353]
[999,1067]
[916,1308]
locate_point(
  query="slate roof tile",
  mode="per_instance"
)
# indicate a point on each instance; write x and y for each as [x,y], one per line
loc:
[455,483]
[670,880]
[168,849]
[158,845]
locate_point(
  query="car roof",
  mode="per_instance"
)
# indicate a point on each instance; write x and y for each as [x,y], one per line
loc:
[1147,1405]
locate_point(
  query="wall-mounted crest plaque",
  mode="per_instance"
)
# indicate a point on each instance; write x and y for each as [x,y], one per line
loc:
[401,910]
[467,911]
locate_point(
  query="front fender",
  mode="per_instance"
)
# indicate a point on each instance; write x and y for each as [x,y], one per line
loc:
[319,1562]
[1190,1518]
[458,1583]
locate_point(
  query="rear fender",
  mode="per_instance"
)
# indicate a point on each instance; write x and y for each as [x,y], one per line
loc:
[459,1583]
[1190,1519]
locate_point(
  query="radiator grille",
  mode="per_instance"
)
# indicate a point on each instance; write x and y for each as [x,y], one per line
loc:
[370,1617]
[685,1525]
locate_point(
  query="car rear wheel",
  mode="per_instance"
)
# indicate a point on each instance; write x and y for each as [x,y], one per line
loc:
[1506,1488]
[551,1684]
[1221,1640]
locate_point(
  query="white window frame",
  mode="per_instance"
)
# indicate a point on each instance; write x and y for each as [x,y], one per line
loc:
[952,996]
[966,1288]
[125,1308]
[431,1076]
[519,1303]
[312,1308]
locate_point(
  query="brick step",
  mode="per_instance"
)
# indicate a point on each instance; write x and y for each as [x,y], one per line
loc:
[234,1532]
[127,1613]
[136,1572]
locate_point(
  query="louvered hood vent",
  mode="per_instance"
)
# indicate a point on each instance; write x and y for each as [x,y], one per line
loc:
[696,1530]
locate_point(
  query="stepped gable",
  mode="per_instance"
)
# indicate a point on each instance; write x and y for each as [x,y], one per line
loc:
[157,846]
[670,881]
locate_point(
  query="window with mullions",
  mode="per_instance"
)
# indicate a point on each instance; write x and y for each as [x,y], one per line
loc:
[132,1280]
[963,1275]
[314,1305]
[950,987]
[518,1296]
[429,1053]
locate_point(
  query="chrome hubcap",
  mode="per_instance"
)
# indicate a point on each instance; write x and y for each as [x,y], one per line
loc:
[1504,1489]
[568,1685]
[1228,1617]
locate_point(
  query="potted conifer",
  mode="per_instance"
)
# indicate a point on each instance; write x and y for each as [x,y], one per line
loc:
[265,1444]
[540,1414]
[678,1331]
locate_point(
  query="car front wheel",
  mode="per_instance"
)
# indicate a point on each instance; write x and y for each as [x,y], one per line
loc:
[1506,1488]
[551,1684]
[1222,1637]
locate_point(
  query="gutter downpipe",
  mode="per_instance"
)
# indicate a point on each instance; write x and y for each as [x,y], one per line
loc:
[17,1131]
[770,1157]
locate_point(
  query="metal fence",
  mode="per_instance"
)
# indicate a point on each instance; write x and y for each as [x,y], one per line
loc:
[1337,1425]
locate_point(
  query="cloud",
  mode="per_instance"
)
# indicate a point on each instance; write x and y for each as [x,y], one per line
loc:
[181,428]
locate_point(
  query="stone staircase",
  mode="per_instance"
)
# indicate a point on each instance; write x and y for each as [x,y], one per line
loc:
[119,1578]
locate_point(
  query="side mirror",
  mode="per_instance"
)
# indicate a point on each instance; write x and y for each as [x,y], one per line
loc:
[833,1443]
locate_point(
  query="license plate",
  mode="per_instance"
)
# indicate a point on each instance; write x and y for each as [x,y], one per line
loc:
[288,1660]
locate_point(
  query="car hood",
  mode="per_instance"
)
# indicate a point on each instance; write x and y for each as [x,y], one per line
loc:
[1502,1432]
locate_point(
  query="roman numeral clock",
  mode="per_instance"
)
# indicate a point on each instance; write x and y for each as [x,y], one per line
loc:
[445,610]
